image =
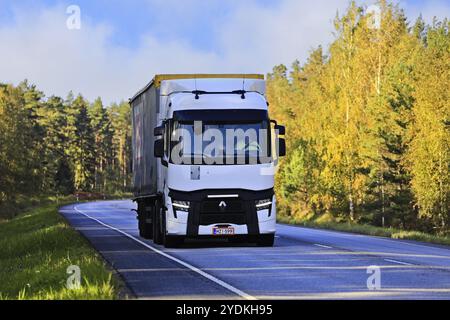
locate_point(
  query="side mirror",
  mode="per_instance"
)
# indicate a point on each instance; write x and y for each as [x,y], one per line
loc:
[158,131]
[281,129]
[281,147]
[158,149]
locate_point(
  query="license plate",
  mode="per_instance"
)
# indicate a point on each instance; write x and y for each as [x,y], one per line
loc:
[223,231]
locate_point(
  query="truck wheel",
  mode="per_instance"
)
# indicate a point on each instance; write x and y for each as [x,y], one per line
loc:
[145,228]
[157,224]
[265,240]
[167,240]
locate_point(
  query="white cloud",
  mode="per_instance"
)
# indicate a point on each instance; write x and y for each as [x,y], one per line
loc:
[259,38]
[250,38]
[428,9]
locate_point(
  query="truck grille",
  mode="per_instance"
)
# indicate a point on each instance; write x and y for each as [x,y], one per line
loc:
[211,212]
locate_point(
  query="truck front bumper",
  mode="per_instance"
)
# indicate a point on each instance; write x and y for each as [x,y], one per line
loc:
[207,212]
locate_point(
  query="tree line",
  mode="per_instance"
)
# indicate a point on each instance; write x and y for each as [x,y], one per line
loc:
[368,124]
[57,146]
[367,129]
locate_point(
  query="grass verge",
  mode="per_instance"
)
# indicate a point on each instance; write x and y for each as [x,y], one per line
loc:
[37,247]
[367,230]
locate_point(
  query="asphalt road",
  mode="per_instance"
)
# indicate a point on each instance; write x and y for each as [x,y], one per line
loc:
[303,264]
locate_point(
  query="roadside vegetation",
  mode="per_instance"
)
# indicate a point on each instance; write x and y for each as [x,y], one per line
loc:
[36,248]
[367,127]
[367,123]
[324,222]
[60,146]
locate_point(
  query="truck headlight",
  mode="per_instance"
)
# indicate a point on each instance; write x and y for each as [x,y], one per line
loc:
[263,204]
[181,205]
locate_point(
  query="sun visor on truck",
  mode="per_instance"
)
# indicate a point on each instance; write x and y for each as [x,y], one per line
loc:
[229,115]
[212,85]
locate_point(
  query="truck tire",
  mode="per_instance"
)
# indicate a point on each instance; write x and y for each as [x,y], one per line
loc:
[265,240]
[145,228]
[169,241]
[157,224]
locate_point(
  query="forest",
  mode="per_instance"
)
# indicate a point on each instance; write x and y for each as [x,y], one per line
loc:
[367,122]
[56,146]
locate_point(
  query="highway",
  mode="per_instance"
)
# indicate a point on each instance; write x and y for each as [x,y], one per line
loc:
[303,264]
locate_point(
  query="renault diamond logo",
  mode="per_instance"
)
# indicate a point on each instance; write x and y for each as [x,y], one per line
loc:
[222,205]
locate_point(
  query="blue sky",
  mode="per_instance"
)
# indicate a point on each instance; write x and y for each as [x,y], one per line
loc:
[130,19]
[121,44]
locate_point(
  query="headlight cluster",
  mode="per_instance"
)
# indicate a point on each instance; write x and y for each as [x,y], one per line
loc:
[181,205]
[263,204]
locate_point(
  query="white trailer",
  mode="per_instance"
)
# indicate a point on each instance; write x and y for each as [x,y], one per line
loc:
[204,153]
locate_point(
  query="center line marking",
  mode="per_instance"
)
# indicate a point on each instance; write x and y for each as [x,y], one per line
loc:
[322,246]
[399,262]
[187,265]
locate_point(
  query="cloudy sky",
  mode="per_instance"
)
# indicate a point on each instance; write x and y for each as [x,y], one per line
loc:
[122,44]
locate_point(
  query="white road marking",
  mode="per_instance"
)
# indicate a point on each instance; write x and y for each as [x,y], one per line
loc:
[322,246]
[399,262]
[187,265]
[354,235]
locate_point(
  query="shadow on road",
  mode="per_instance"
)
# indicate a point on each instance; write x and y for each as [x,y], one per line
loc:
[208,242]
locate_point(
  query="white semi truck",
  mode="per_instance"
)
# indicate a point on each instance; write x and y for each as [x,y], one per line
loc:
[204,157]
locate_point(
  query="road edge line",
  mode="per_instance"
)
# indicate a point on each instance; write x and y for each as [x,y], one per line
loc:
[185,264]
[322,246]
[399,262]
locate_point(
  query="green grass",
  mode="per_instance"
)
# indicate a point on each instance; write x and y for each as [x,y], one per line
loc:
[21,203]
[10,209]
[37,246]
[366,229]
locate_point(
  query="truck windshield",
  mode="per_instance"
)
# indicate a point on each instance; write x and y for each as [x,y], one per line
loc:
[216,143]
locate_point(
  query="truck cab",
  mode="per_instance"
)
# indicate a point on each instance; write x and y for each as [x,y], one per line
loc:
[210,172]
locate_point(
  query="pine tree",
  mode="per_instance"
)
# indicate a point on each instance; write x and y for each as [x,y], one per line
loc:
[17,170]
[121,123]
[81,144]
[103,142]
